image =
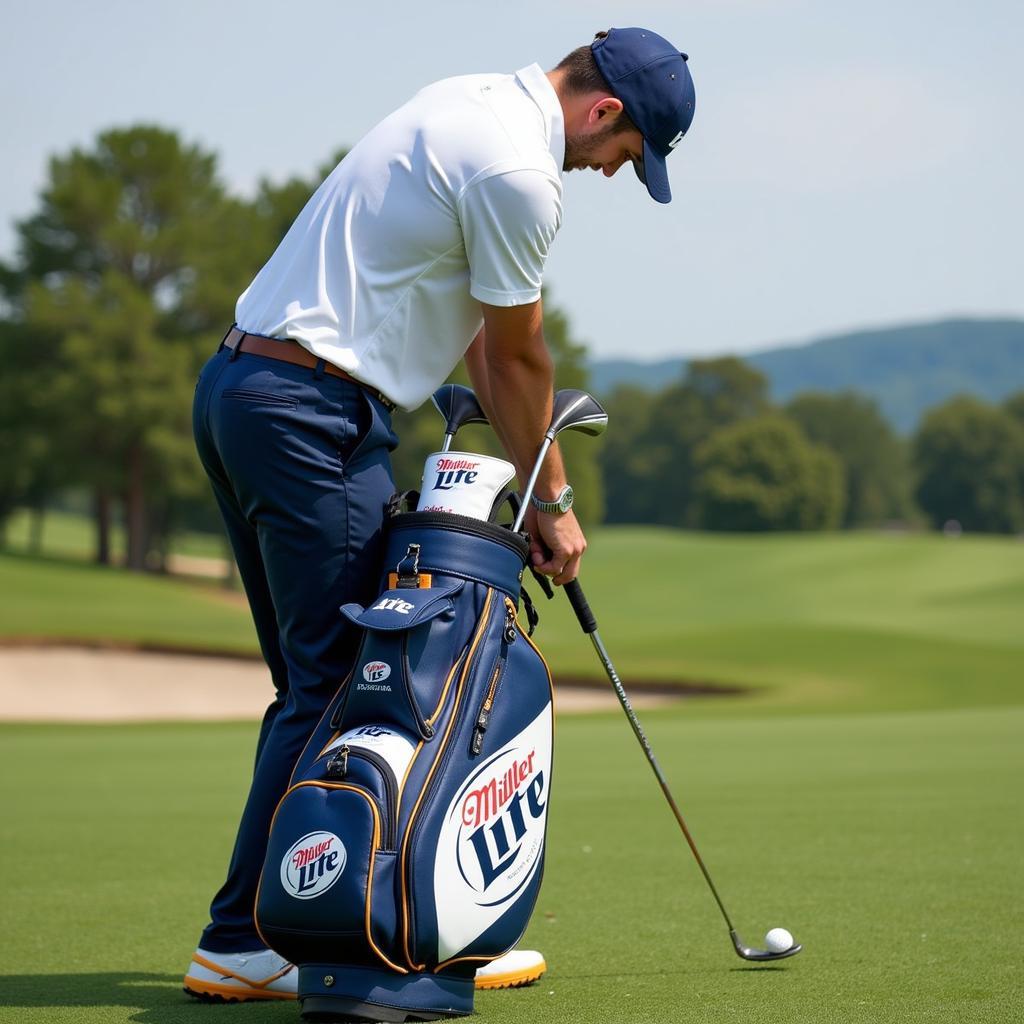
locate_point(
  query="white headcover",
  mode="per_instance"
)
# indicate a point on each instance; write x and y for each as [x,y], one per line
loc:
[463,482]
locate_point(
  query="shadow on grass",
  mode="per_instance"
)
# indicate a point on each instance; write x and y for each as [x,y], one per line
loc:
[145,998]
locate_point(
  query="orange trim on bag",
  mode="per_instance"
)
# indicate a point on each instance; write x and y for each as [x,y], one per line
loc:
[423,581]
[444,692]
[327,745]
[484,618]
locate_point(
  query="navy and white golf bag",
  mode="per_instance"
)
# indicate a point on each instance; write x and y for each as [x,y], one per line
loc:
[409,848]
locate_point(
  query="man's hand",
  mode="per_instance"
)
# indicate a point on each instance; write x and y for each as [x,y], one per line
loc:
[557,544]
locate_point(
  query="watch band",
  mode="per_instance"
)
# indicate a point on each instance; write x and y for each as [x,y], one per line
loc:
[561,504]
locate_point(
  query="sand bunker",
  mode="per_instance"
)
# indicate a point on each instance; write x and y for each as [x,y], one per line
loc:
[81,684]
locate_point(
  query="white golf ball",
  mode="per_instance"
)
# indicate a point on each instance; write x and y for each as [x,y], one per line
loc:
[778,940]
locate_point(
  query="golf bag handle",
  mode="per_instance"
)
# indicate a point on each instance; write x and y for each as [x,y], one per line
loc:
[578,600]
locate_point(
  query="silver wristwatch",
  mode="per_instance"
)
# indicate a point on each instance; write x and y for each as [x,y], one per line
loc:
[561,504]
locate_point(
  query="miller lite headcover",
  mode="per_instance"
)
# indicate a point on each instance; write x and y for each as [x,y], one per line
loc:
[464,483]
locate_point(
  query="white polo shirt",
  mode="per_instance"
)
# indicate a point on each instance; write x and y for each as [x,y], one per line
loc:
[452,200]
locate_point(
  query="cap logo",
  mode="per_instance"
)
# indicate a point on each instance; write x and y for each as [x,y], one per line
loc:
[675,142]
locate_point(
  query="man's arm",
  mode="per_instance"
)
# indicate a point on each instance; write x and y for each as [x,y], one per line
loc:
[513,376]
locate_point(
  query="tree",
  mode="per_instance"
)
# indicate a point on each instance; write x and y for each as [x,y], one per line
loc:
[627,462]
[873,457]
[969,458]
[1014,405]
[763,474]
[654,475]
[30,463]
[132,263]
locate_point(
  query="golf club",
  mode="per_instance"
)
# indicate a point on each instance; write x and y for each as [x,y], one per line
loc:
[571,410]
[458,405]
[576,410]
[588,623]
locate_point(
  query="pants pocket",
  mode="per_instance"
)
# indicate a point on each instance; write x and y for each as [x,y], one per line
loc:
[263,397]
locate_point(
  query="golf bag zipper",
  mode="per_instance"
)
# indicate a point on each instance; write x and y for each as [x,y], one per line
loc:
[453,523]
[337,768]
[483,717]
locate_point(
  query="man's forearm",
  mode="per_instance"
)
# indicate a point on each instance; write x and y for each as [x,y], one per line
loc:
[519,391]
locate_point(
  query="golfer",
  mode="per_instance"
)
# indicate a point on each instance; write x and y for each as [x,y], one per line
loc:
[424,246]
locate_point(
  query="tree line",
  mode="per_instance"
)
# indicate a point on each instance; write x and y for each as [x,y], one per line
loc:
[712,451]
[125,277]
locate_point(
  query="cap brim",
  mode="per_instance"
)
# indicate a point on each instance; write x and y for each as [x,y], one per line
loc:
[654,174]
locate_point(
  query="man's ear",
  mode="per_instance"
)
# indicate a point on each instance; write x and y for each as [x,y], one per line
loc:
[604,111]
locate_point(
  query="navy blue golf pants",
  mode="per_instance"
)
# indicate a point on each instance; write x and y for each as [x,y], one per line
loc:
[299,463]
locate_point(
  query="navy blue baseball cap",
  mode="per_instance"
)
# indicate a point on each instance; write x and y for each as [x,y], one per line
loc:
[650,76]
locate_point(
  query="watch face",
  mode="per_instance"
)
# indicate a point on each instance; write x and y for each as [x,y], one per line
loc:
[565,499]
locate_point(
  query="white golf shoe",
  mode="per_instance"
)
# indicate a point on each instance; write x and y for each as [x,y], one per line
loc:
[240,977]
[262,974]
[516,968]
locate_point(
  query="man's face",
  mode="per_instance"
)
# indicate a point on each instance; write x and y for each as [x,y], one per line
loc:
[603,150]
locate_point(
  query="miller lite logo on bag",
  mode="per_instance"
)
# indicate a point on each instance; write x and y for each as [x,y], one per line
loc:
[492,837]
[463,483]
[376,672]
[313,865]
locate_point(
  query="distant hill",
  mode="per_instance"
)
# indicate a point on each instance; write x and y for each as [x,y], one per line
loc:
[905,369]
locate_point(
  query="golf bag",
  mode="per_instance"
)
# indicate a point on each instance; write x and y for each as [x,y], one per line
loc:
[409,848]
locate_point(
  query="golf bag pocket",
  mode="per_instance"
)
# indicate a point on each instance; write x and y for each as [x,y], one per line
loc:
[316,882]
[408,646]
[328,880]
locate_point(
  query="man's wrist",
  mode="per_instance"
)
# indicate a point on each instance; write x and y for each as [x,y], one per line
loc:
[558,505]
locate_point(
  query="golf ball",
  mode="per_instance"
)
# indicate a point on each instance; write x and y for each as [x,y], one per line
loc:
[778,940]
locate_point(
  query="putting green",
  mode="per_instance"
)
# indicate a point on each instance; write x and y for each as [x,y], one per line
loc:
[888,843]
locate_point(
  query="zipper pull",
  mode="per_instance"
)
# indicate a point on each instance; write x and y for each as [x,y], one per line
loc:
[483,719]
[510,623]
[477,743]
[337,764]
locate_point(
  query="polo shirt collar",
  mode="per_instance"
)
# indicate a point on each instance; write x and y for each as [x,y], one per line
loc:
[536,85]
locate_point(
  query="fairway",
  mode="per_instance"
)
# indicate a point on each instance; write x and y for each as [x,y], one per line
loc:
[863,792]
[889,844]
[805,623]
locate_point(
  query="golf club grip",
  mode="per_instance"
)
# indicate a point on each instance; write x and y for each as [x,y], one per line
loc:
[578,600]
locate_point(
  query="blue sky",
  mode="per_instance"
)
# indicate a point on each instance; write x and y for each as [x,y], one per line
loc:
[849,164]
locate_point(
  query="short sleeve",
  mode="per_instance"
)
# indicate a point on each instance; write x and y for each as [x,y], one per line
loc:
[509,221]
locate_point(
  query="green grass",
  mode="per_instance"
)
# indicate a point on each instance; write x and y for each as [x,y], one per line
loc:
[72,600]
[865,794]
[808,623]
[889,843]
[69,535]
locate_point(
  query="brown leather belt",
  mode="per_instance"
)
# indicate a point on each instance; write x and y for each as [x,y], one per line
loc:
[290,351]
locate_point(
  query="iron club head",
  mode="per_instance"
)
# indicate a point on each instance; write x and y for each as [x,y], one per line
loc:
[760,955]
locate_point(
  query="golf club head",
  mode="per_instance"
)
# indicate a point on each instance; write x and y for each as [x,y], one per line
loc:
[576,410]
[749,953]
[458,405]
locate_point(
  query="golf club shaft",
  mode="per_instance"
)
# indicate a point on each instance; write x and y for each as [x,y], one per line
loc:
[532,482]
[588,623]
[449,435]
